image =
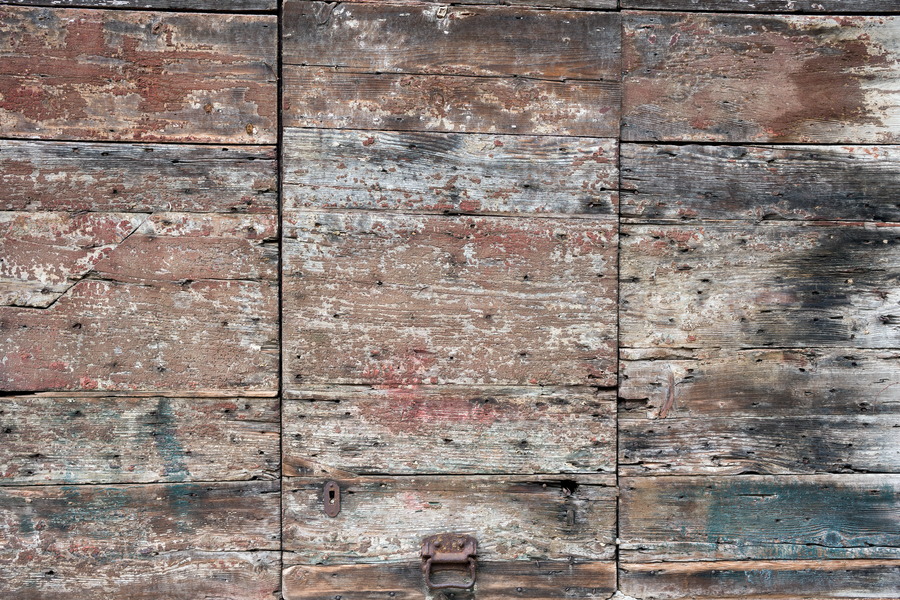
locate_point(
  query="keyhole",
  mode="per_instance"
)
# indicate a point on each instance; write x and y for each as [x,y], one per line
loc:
[331,496]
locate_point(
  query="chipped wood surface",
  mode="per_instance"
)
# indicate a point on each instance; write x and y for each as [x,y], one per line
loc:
[142,76]
[398,300]
[747,78]
[449,173]
[766,6]
[162,5]
[449,429]
[593,4]
[384,519]
[69,440]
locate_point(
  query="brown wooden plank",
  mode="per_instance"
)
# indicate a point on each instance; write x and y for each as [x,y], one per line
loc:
[846,579]
[434,39]
[513,518]
[760,517]
[397,300]
[741,78]
[593,4]
[143,76]
[449,429]
[764,6]
[749,286]
[833,183]
[187,539]
[98,177]
[199,5]
[448,172]
[534,580]
[331,98]
[119,440]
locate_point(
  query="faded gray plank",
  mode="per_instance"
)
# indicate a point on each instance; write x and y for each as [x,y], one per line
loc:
[449,429]
[691,182]
[199,5]
[446,172]
[742,78]
[762,6]
[120,440]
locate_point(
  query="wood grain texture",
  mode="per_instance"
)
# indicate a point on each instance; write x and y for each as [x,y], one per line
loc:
[176,540]
[398,300]
[535,580]
[450,173]
[750,286]
[760,517]
[742,78]
[142,76]
[384,519]
[467,40]
[81,440]
[766,6]
[198,5]
[98,177]
[334,98]
[716,580]
[449,429]
[593,4]
[855,183]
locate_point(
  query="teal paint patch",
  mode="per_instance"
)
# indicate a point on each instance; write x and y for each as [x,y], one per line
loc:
[167,444]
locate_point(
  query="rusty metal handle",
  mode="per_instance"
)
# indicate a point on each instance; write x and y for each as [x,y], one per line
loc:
[449,549]
[462,585]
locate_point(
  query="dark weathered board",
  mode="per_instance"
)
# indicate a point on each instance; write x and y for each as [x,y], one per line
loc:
[739,78]
[449,429]
[317,97]
[513,518]
[750,286]
[449,172]
[594,4]
[760,517]
[669,182]
[199,5]
[172,540]
[716,580]
[764,6]
[535,580]
[73,439]
[74,176]
[143,76]
[396,300]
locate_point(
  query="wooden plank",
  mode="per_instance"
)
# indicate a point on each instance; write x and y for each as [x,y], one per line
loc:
[334,98]
[765,6]
[750,286]
[760,517]
[199,5]
[142,76]
[847,579]
[449,172]
[449,429]
[536,580]
[98,177]
[135,440]
[396,300]
[428,38]
[742,78]
[384,519]
[190,539]
[832,183]
[591,4]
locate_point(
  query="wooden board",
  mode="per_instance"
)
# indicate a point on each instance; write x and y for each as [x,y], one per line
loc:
[384,519]
[592,4]
[449,173]
[449,429]
[742,78]
[398,300]
[751,286]
[854,183]
[178,5]
[765,6]
[74,439]
[142,76]
[760,517]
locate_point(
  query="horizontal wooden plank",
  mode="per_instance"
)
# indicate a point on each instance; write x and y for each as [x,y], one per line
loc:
[449,429]
[75,176]
[449,172]
[750,286]
[143,76]
[765,6]
[594,4]
[198,5]
[334,98]
[535,580]
[120,440]
[856,183]
[743,78]
[428,38]
[397,300]
[847,579]
[513,518]
[760,517]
